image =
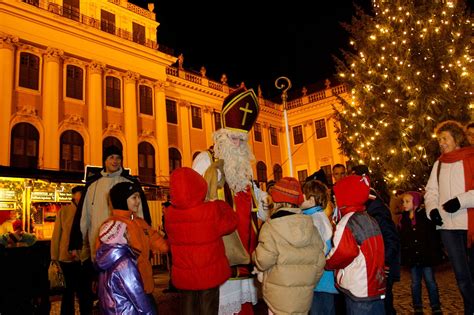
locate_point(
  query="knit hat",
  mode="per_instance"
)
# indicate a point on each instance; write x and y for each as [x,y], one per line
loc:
[352,191]
[417,198]
[287,189]
[120,193]
[112,232]
[111,150]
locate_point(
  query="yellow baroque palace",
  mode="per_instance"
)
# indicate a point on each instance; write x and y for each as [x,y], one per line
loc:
[77,75]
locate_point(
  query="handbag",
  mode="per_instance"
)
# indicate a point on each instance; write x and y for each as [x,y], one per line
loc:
[235,250]
[56,276]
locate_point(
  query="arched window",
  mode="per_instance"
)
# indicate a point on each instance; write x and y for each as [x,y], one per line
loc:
[277,172]
[175,159]
[24,146]
[111,141]
[71,151]
[146,163]
[261,172]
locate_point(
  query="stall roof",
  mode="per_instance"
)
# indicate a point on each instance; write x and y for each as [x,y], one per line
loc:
[50,175]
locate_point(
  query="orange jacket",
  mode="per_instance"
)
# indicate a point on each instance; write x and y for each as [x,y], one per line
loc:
[142,239]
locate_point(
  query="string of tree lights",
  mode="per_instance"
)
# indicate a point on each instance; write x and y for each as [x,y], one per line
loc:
[408,69]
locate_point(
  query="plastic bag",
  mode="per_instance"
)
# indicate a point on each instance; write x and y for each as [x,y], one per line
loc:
[56,276]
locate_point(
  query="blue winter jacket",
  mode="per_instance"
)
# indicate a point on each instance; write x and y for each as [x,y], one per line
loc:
[120,285]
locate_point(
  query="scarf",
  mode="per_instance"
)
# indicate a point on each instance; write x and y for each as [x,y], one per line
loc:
[466,155]
[312,210]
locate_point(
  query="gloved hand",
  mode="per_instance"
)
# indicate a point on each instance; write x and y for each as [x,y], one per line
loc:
[436,217]
[452,205]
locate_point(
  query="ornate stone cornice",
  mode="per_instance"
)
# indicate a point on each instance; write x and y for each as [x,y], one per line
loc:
[131,77]
[27,110]
[74,61]
[53,54]
[74,119]
[146,133]
[183,103]
[265,124]
[160,85]
[145,82]
[113,73]
[96,67]
[29,48]
[7,41]
[207,109]
[307,122]
[114,127]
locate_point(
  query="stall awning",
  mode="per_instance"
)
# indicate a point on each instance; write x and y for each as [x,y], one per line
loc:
[49,175]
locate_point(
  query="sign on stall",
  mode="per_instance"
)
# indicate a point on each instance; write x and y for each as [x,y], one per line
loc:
[42,196]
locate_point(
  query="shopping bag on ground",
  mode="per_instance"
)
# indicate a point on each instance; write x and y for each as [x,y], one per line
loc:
[56,276]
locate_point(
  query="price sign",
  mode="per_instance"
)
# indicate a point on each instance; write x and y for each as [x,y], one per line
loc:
[7,205]
[42,196]
[6,194]
[64,196]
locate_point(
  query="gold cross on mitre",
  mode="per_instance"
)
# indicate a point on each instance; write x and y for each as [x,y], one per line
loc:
[246,110]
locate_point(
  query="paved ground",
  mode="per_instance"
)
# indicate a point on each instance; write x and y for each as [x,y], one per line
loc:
[168,303]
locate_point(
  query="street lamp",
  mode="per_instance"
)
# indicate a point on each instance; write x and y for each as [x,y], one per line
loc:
[285,86]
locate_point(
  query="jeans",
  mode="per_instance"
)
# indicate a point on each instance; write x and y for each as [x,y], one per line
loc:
[323,304]
[375,307]
[417,272]
[462,260]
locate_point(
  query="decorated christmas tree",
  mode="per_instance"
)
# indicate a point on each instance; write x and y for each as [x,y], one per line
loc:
[408,69]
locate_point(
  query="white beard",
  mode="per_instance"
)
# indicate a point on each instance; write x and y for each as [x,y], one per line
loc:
[237,160]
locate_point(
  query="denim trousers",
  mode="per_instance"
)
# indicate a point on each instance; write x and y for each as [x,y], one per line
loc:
[375,307]
[323,304]
[426,272]
[462,261]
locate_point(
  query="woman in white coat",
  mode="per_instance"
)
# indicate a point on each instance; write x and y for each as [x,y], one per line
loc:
[449,202]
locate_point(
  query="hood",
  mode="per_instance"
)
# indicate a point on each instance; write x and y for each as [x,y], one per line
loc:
[187,188]
[295,228]
[108,254]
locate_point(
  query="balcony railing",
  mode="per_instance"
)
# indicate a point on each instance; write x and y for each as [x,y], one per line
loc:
[74,14]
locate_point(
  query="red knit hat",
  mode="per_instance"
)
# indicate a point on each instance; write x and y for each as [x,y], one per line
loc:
[287,189]
[352,191]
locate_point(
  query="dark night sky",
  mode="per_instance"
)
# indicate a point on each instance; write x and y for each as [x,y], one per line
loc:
[256,41]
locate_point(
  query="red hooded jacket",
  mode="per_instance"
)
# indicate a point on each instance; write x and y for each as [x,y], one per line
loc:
[195,229]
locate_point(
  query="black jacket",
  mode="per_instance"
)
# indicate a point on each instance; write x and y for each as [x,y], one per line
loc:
[76,237]
[377,209]
[421,244]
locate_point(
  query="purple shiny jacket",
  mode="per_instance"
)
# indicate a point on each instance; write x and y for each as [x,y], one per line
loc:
[120,284]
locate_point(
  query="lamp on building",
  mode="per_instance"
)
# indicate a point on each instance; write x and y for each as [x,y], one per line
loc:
[285,86]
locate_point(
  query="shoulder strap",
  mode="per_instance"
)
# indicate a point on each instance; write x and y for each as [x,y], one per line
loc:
[438,171]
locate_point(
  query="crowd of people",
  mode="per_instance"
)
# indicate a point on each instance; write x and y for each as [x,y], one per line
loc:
[307,247]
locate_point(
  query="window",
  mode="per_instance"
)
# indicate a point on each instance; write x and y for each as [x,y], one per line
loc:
[32,2]
[71,151]
[146,100]
[273,136]
[261,172]
[29,71]
[24,146]
[302,175]
[71,9]
[74,82]
[107,22]
[175,159]
[217,121]
[320,128]
[277,172]
[257,132]
[171,112]
[196,117]
[138,33]
[328,171]
[146,163]
[298,135]
[112,92]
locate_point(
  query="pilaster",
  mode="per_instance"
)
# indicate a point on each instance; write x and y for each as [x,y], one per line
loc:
[95,107]
[162,158]
[131,120]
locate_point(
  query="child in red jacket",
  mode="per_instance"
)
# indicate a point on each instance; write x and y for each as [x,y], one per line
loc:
[195,229]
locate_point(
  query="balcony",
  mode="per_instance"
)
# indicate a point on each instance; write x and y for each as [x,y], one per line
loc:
[74,14]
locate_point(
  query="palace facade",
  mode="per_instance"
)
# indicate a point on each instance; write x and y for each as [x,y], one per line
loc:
[77,75]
